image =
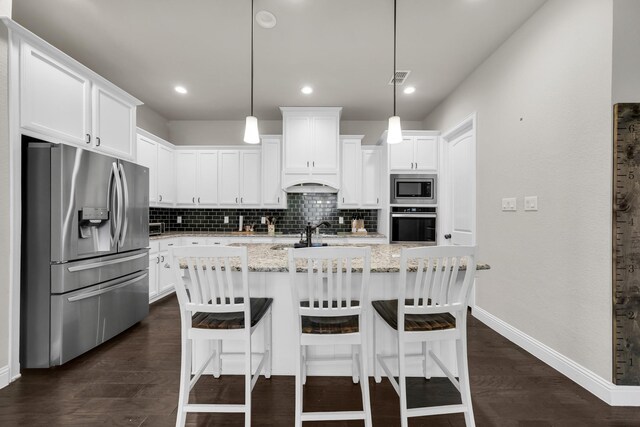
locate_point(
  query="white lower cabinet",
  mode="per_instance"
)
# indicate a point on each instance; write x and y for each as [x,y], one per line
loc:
[154,261]
[161,280]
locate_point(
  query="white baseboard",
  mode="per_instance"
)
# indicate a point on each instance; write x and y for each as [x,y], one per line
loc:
[4,376]
[608,392]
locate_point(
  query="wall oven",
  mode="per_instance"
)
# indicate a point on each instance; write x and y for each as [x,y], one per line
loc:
[413,225]
[413,189]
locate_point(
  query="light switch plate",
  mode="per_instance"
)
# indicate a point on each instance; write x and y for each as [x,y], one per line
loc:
[509,204]
[226,220]
[531,203]
[263,220]
[340,220]
[179,220]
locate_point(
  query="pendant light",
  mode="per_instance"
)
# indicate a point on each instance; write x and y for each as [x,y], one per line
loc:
[251,134]
[394,132]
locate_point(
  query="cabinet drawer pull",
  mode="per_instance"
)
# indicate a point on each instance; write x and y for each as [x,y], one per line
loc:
[377,200]
[162,260]
[198,199]
[157,260]
[236,200]
[98,141]
[313,163]
[160,197]
[416,165]
[88,140]
[193,200]
[241,200]
[278,199]
[307,164]
[411,165]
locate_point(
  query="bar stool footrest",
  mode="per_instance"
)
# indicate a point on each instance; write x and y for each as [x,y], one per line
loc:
[333,416]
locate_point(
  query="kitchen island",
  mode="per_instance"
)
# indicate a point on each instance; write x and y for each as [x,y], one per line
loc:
[269,277]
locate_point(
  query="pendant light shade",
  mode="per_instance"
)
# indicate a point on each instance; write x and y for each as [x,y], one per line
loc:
[394,132]
[251,134]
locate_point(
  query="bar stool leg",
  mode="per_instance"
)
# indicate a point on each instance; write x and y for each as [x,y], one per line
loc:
[304,364]
[376,369]
[299,363]
[185,379]
[463,375]
[426,363]
[247,381]
[268,343]
[218,359]
[354,364]
[364,385]
[402,383]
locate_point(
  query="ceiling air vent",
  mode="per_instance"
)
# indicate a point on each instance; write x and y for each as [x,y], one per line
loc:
[400,77]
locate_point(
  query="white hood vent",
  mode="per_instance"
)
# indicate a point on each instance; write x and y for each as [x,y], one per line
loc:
[311,188]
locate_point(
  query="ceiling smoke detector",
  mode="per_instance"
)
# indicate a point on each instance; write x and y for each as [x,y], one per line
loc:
[400,77]
[266,19]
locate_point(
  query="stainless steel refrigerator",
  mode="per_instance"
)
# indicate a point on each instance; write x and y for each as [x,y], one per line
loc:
[85,260]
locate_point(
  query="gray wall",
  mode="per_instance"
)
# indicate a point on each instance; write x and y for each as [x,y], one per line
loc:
[626,51]
[543,103]
[230,132]
[149,120]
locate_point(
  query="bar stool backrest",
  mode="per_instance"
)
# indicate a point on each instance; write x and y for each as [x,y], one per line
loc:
[435,289]
[209,286]
[330,287]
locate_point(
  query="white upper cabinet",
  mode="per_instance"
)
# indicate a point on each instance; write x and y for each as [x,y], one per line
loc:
[207,178]
[349,194]
[148,156]
[159,159]
[272,194]
[229,177]
[250,178]
[371,178]
[113,123]
[186,177]
[416,153]
[54,99]
[166,176]
[197,177]
[64,102]
[311,145]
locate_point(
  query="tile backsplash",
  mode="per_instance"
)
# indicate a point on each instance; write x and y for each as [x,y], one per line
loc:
[301,208]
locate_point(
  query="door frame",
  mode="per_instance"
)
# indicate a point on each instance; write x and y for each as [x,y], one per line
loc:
[466,126]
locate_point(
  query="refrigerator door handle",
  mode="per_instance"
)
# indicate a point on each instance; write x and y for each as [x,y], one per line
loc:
[111,193]
[125,191]
[109,289]
[118,192]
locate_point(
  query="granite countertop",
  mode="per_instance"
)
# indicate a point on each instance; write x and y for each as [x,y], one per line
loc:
[340,235]
[273,258]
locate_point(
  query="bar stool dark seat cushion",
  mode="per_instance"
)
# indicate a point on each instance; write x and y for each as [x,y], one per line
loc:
[388,310]
[330,325]
[235,320]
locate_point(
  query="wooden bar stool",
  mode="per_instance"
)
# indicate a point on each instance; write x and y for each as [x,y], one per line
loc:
[210,309]
[328,302]
[434,308]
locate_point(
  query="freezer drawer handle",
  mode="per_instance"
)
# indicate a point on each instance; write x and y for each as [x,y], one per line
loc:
[109,289]
[104,263]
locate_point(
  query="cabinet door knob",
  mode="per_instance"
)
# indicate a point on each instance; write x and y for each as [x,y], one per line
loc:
[98,141]
[88,140]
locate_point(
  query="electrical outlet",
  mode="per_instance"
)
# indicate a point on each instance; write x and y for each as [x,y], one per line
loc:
[226,220]
[340,220]
[531,203]
[509,204]
[179,220]
[263,220]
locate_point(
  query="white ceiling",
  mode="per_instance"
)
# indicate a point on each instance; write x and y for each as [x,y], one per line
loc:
[343,48]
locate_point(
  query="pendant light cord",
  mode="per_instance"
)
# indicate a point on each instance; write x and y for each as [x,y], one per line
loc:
[252,57]
[394,57]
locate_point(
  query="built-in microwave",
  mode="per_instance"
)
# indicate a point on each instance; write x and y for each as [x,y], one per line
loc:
[413,189]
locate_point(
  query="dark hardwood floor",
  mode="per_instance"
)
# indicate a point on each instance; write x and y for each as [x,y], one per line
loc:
[133,380]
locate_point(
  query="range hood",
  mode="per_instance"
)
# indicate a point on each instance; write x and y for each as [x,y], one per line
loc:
[311,187]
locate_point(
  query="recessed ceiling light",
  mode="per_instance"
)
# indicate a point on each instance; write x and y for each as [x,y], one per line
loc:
[409,89]
[266,19]
[181,89]
[307,90]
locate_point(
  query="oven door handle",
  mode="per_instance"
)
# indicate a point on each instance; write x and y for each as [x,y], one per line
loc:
[413,215]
